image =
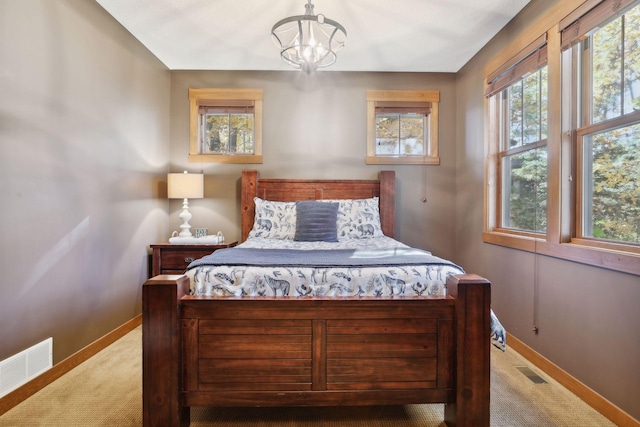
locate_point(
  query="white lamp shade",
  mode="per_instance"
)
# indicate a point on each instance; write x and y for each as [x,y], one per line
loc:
[185,185]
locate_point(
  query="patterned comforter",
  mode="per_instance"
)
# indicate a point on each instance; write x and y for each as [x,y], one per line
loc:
[369,272]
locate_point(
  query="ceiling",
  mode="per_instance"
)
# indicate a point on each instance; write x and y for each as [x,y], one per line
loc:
[382,35]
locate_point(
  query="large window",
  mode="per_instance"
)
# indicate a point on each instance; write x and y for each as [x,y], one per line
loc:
[518,99]
[562,169]
[523,155]
[605,63]
[225,125]
[402,127]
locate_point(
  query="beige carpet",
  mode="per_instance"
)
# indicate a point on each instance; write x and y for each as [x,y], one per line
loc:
[107,391]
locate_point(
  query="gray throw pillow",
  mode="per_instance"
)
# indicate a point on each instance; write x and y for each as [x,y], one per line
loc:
[316,221]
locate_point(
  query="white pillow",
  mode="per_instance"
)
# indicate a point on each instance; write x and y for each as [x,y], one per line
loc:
[274,220]
[359,219]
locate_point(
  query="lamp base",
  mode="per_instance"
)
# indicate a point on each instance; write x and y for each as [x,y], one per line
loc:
[185,216]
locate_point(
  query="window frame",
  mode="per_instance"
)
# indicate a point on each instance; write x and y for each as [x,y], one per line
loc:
[430,156]
[220,96]
[531,58]
[561,239]
[505,152]
[580,61]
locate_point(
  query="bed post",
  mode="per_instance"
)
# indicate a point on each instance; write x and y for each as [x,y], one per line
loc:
[161,352]
[249,189]
[388,202]
[472,341]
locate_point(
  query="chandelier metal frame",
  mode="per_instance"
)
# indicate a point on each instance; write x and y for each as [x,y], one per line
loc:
[309,41]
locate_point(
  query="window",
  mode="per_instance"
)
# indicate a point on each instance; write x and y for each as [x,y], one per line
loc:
[523,154]
[518,101]
[402,127]
[225,125]
[605,61]
[562,169]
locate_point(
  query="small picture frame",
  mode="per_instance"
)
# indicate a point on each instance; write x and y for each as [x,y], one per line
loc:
[200,232]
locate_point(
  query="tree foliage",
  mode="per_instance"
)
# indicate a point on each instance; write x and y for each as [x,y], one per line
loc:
[612,158]
[526,169]
[229,133]
[400,134]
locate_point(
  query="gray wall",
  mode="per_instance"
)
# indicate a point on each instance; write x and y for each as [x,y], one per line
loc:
[588,317]
[90,122]
[84,140]
[315,127]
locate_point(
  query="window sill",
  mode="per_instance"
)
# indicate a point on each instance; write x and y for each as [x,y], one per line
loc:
[221,158]
[401,160]
[577,251]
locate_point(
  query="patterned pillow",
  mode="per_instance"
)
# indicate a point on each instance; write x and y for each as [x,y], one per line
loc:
[359,219]
[316,221]
[274,220]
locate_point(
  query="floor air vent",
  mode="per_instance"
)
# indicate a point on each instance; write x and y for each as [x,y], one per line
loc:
[531,375]
[26,365]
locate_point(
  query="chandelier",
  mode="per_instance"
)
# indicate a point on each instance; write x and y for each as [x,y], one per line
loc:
[309,41]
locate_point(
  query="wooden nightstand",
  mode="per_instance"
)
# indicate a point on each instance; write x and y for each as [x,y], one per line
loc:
[173,259]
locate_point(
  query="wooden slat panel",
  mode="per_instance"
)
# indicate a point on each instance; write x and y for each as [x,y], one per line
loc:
[392,373]
[319,355]
[246,323]
[251,327]
[294,385]
[233,338]
[363,193]
[445,353]
[393,385]
[291,194]
[210,368]
[390,326]
[407,369]
[394,345]
[360,354]
[407,341]
[258,365]
[267,378]
[381,346]
[209,349]
[190,353]
[381,376]
[257,330]
[259,354]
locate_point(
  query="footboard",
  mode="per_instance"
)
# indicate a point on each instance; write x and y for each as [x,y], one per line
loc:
[317,352]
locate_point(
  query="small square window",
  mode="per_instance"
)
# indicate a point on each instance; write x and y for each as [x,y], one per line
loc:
[403,127]
[226,125]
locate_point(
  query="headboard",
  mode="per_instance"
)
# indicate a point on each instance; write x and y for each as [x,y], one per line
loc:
[290,190]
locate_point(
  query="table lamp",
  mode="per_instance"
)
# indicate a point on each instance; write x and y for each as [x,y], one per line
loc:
[185,186]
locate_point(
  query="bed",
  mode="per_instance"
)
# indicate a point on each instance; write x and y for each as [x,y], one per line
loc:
[319,332]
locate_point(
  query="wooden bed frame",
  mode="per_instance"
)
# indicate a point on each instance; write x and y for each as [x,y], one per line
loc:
[315,351]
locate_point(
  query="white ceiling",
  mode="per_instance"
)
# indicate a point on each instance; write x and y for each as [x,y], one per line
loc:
[382,35]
